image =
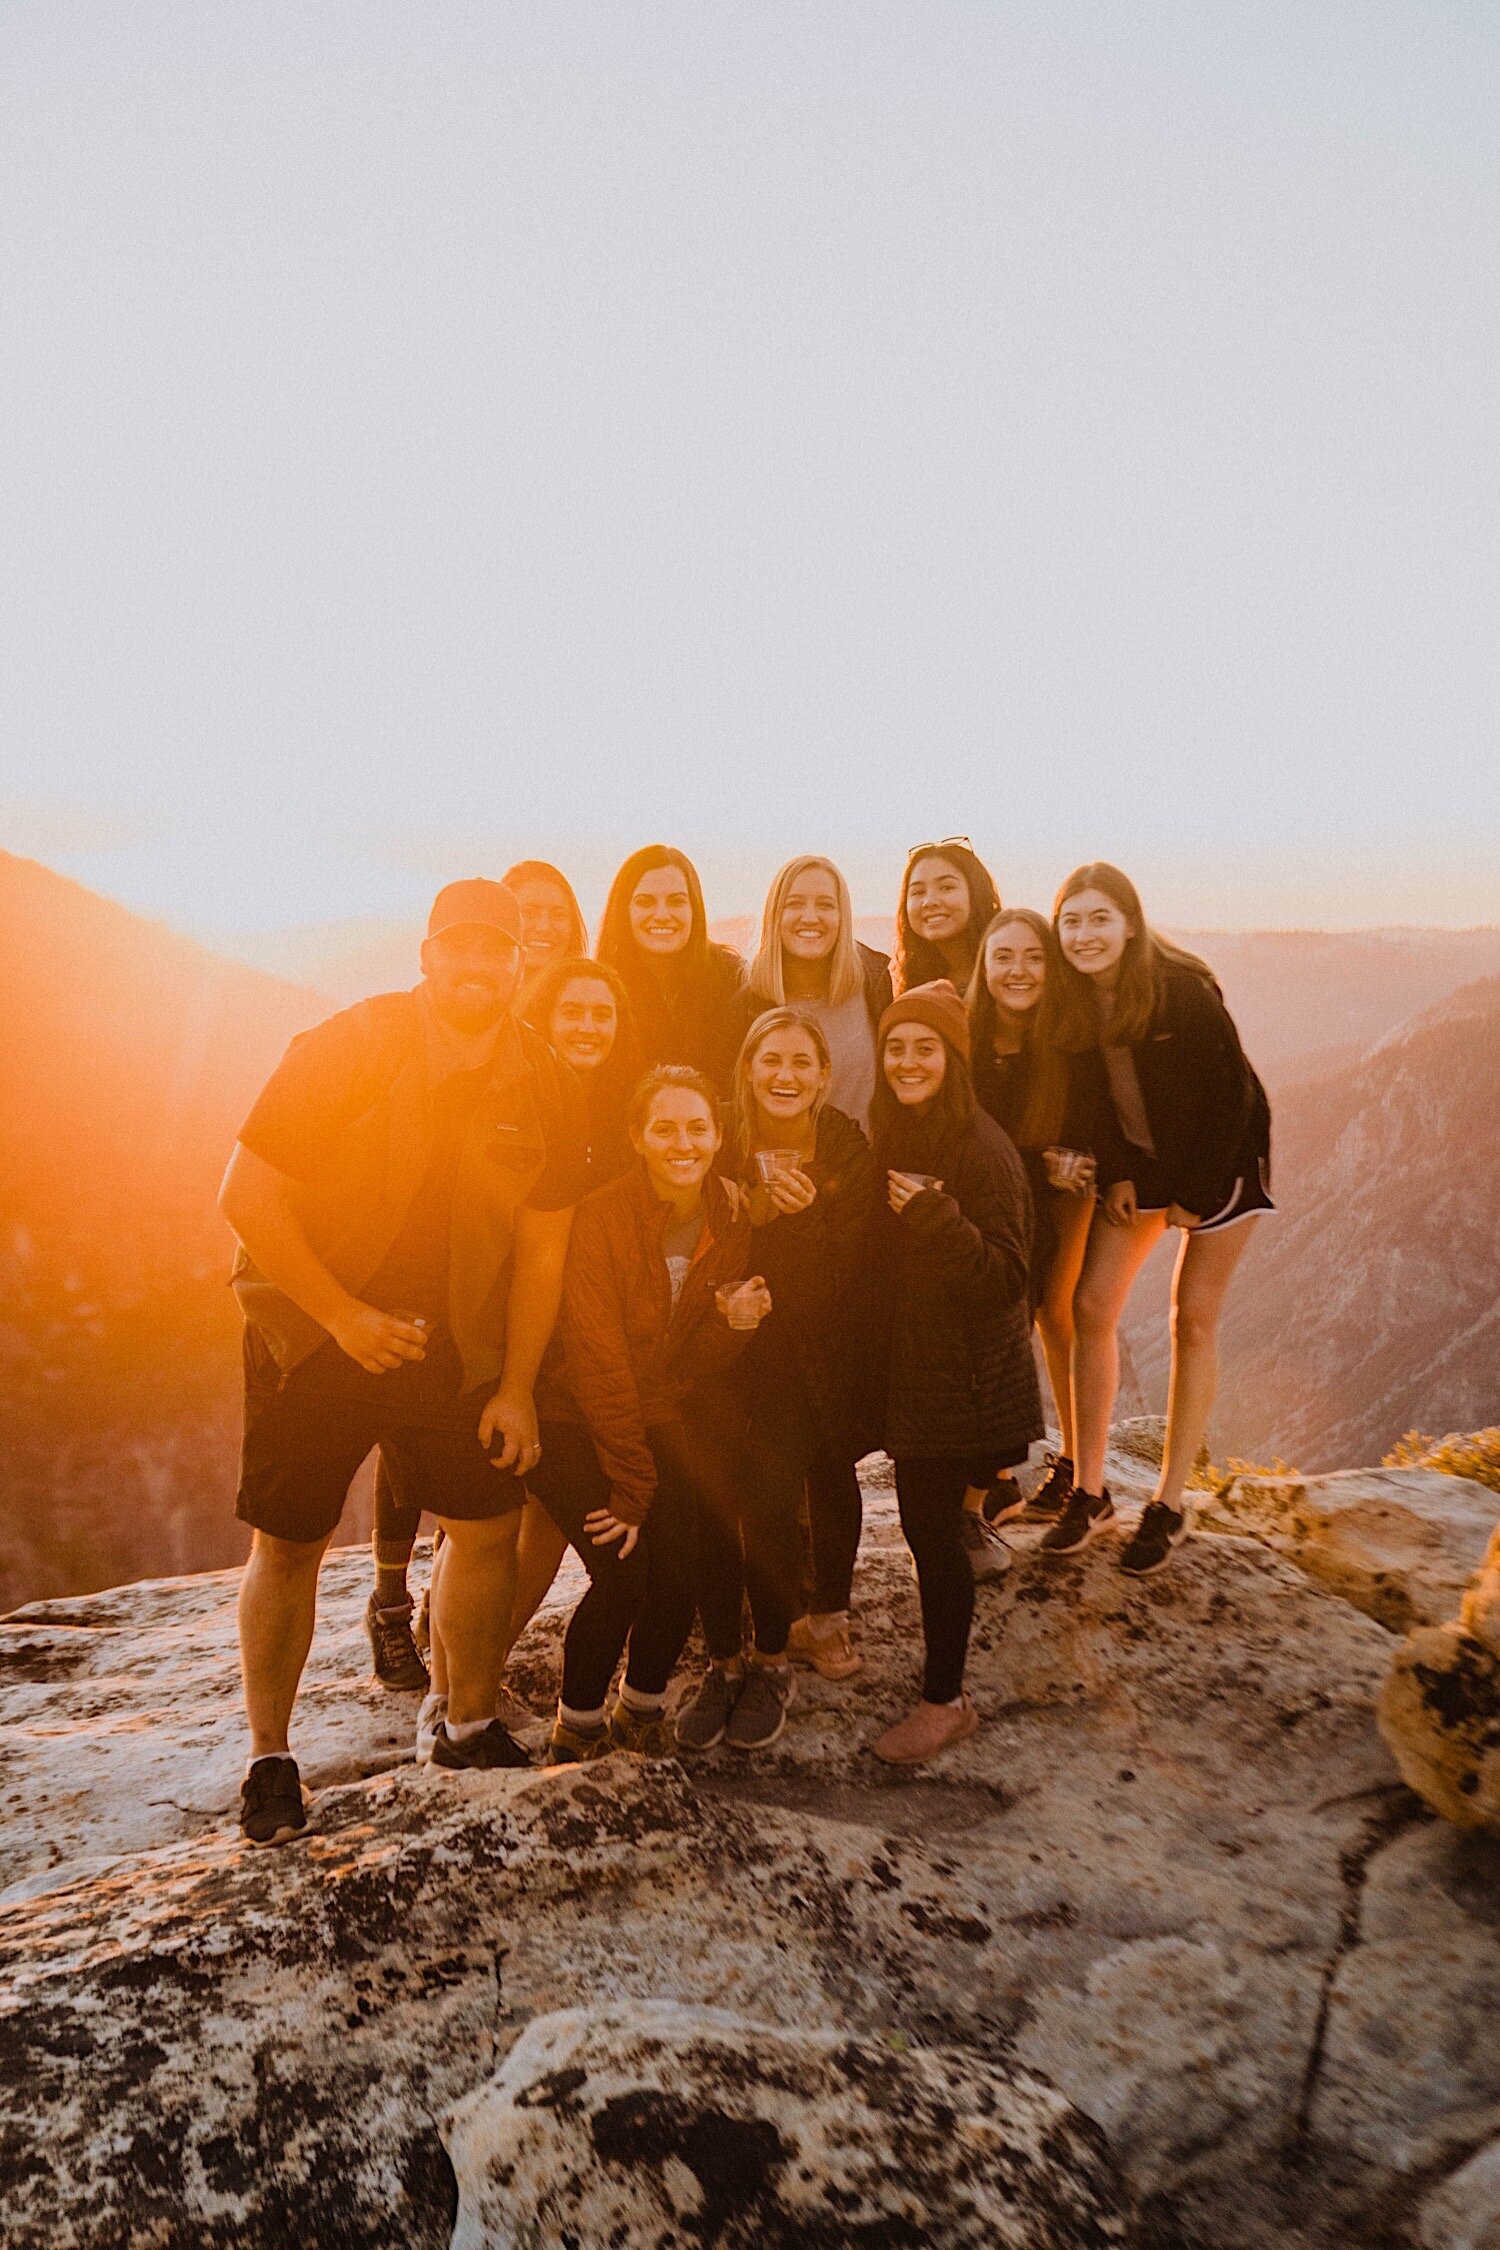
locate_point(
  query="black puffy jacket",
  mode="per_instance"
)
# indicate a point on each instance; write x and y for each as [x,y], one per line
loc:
[955,1280]
[1204,1103]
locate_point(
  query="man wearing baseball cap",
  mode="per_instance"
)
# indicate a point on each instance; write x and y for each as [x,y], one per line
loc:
[402,1192]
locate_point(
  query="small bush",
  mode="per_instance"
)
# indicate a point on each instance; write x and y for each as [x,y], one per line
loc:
[1473,1454]
[1214,1479]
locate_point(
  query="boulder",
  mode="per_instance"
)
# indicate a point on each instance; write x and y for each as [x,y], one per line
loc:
[1464,2213]
[656,2123]
[1440,1707]
[1400,1544]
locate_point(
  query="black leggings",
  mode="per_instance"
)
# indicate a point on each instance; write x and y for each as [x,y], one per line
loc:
[646,1597]
[835,1518]
[931,1499]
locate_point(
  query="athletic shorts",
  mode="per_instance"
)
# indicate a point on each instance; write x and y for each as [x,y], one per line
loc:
[1249,1196]
[308,1432]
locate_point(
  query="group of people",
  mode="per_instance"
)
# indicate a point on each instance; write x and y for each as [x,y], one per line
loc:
[641,1251]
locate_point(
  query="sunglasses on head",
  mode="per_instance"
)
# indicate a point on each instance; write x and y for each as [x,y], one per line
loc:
[944,843]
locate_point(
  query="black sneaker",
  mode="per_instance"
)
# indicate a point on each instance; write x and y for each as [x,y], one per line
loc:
[271,1807]
[1051,1495]
[477,1753]
[1004,1501]
[397,1660]
[1160,1530]
[701,1722]
[1084,1514]
[759,1712]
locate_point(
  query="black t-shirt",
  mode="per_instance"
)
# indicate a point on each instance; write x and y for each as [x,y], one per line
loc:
[327,1078]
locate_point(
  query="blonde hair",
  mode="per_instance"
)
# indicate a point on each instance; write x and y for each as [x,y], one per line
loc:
[767,972]
[741,1100]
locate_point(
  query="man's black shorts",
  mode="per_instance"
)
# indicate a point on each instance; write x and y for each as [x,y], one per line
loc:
[307,1433]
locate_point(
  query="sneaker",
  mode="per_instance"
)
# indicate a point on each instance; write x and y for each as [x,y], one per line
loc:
[701,1722]
[645,1734]
[1150,1546]
[398,1662]
[576,1746]
[828,1650]
[518,1718]
[429,1720]
[989,1557]
[477,1753]
[1084,1514]
[1051,1495]
[271,1807]
[759,1712]
[931,1728]
[421,1624]
[1004,1501]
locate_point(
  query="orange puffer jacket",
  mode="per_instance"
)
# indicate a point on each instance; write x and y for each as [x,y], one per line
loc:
[629,1359]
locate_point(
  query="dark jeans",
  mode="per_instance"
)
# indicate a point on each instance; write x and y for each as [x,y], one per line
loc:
[647,1597]
[931,1499]
[754,1543]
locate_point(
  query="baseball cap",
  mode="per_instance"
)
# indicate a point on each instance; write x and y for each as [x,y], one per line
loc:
[475,900]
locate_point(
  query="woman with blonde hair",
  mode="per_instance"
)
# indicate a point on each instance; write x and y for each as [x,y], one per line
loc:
[810,959]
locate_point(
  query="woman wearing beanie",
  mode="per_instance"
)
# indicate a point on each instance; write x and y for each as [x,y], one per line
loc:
[962,1399]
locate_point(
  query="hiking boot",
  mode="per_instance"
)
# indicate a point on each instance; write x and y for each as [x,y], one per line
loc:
[576,1746]
[923,1733]
[759,1712]
[429,1719]
[645,1734]
[989,1557]
[397,1660]
[828,1650]
[421,1624]
[1004,1501]
[1085,1514]
[271,1807]
[1150,1545]
[484,1752]
[701,1722]
[1051,1495]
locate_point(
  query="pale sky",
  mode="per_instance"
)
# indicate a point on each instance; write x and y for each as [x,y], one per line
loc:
[441,433]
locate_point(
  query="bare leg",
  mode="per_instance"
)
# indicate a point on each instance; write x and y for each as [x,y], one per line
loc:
[437,1658]
[277,1609]
[1205,1268]
[540,1552]
[1113,1258]
[1054,1315]
[474,1594]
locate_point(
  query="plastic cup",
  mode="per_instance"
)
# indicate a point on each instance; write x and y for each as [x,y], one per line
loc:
[771,1161]
[739,1307]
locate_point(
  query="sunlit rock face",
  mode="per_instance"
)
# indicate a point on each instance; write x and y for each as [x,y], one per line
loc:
[1400,1544]
[1173,1883]
[1440,1710]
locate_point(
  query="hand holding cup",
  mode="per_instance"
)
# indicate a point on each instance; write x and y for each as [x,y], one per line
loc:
[746,1306]
[901,1187]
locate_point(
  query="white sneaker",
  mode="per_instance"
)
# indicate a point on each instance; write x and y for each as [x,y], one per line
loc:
[429,1719]
[519,1719]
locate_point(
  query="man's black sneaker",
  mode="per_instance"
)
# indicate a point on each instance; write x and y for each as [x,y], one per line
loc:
[1085,1514]
[477,1753]
[1004,1501]
[1160,1530]
[271,1807]
[397,1660]
[1051,1495]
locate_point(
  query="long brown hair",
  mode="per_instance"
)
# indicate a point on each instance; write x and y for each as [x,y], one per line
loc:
[916,960]
[741,1100]
[1049,1032]
[1138,993]
[617,947]
[901,1139]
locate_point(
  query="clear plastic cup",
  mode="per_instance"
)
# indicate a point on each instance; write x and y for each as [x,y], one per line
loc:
[771,1161]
